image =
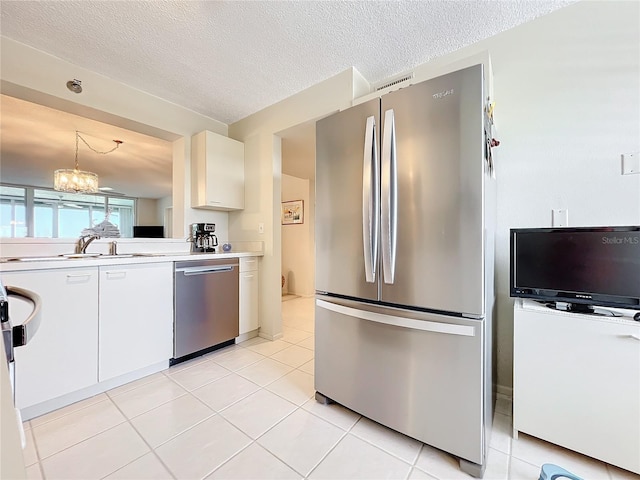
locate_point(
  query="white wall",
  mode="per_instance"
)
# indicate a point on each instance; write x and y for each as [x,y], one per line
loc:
[567,105]
[263,167]
[38,77]
[566,88]
[567,93]
[147,212]
[165,214]
[297,256]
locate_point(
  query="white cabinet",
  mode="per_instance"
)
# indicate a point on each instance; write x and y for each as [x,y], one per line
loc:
[576,381]
[136,317]
[63,355]
[249,286]
[217,172]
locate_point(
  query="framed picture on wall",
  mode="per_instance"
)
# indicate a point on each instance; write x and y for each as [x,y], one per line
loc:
[293,212]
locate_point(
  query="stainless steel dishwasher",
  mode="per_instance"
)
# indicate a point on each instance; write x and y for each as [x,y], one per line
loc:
[206,306]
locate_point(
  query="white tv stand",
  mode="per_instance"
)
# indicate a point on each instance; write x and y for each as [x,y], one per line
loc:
[576,381]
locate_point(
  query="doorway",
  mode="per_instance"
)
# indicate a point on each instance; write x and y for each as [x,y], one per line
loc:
[298,211]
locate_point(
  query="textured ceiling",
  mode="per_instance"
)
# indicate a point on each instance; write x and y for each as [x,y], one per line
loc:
[229,59]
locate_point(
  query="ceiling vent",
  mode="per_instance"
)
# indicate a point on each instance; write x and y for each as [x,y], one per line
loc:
[394,81]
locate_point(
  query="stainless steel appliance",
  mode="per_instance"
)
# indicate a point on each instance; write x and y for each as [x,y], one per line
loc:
[206,311]
[17,335]
[14,336]
[404,263]
[202,237]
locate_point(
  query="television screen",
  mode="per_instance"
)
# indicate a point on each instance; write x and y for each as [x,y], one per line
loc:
[589,265]
[148,231]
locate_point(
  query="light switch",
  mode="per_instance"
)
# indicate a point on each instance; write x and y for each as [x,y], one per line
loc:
[260,227]
[630,163]
[559,217]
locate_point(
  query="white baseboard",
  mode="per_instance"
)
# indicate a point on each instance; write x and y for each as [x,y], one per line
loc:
[277,336]
[55,403]
[246,336]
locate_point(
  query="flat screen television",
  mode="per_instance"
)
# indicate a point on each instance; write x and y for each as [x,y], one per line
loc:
[579,267]
[148,231]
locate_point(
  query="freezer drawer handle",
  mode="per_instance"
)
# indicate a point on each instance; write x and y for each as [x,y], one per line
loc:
[389,210]
[370,200]
[424,325]
[205,270]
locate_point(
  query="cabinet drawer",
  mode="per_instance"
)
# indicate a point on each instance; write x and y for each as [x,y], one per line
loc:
[248,264]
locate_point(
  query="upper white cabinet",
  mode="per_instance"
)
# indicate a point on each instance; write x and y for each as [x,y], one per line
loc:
[62,357]
[136,317]
[217,172]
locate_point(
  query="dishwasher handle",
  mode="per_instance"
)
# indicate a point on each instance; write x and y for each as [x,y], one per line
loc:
[205,270]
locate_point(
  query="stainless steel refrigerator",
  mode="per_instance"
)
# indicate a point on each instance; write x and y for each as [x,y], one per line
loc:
[404,263]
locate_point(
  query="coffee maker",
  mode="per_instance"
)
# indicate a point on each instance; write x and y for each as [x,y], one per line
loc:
[202,237]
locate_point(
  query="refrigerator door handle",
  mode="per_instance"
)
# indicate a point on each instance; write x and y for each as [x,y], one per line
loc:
[389,197]
[424,325]
[370,200]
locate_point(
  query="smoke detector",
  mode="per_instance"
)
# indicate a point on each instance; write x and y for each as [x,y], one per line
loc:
[75,85]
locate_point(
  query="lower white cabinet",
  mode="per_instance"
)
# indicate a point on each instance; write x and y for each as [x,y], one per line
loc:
[63,355]
[136,317]
[576,381]
[249,287]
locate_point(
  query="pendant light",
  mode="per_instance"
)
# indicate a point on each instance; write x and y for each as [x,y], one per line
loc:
[76,180]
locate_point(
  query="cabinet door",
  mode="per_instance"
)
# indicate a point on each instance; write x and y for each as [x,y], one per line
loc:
[217,172]
[249,286]
[577,382]
[63,355]
[136,317]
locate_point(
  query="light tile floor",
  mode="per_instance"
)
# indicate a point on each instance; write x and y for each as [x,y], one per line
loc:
[247,412]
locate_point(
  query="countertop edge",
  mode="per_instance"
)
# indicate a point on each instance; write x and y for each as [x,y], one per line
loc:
[108,260]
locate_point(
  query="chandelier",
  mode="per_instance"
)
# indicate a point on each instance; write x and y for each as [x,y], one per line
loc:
[76,180]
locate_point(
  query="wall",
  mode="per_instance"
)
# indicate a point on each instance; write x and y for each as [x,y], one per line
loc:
[567,97]
[37,77]
[567,105]
[165,213]
[297,240]
[147,212]
[263,167]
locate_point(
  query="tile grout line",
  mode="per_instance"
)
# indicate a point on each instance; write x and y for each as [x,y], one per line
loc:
[255,441]
[68,413]
[145,442]
[42,459]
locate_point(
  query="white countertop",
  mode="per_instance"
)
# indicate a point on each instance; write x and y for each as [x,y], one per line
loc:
[107,260]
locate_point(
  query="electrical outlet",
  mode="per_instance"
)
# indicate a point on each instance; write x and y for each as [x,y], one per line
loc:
[260,227]
[559,217]
[630,163]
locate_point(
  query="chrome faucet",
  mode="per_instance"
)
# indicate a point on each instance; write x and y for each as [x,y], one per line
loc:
[84,241]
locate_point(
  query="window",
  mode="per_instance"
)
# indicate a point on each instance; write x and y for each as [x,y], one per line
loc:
[60,215]
[13,212]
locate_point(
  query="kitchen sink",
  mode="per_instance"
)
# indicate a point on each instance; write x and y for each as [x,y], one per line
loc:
[129,255]
[33,259]
[64,256]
